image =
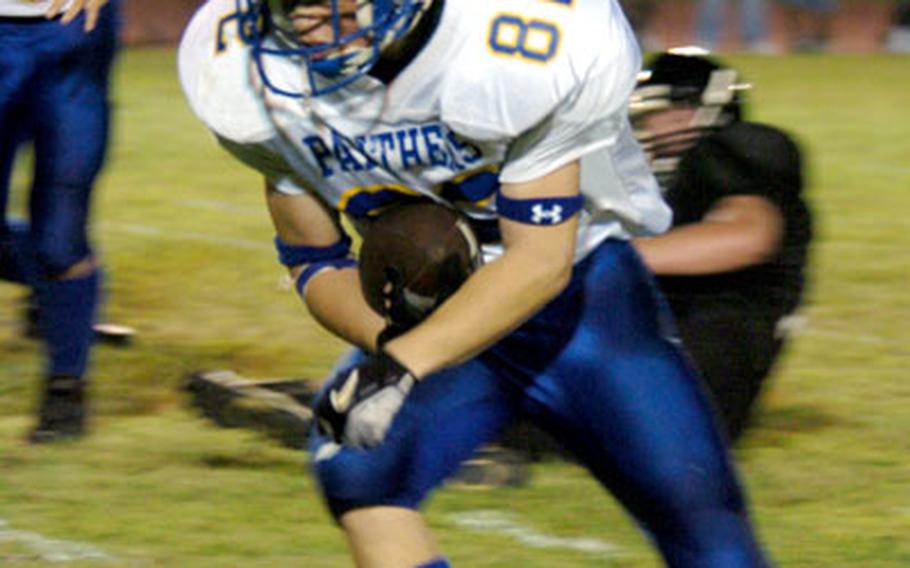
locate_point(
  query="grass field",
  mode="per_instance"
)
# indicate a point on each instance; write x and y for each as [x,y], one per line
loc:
[187,247]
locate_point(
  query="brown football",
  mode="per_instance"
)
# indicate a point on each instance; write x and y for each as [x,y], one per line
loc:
[413,257]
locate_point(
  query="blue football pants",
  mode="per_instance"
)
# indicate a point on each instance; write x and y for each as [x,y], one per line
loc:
[54,93]
[599,368]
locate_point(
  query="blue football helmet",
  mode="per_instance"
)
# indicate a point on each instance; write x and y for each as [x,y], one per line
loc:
[267,27]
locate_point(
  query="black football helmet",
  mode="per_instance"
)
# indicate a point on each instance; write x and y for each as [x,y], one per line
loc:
[684,78]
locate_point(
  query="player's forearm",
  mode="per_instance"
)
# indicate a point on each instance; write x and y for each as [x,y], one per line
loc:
[335,300]
[738,232]
[494,301]
[702,248]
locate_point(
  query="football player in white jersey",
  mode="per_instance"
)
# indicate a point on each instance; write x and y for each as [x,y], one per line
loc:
[514,113]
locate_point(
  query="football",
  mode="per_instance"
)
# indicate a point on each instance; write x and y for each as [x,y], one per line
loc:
[415,255]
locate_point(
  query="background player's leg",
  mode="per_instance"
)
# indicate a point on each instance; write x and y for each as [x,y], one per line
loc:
[734,350]
[709,22]
[70,143]
[18,262]
[375,492]
[624,400]
[753,17]
[16,252]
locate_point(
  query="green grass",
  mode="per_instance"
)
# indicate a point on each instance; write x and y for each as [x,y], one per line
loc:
[186,242]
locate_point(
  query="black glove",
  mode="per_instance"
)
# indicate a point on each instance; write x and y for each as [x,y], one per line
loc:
[404,309]
[360,404]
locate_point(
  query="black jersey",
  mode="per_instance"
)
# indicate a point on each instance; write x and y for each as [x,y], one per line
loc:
[744,158]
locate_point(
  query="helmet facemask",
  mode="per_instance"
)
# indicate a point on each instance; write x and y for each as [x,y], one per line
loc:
[704,97]
[343,40]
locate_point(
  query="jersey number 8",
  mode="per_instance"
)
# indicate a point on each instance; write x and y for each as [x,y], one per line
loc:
[534,39]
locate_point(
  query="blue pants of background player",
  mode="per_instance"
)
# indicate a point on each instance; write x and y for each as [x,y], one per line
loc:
[599,370]
[753,17]
[54,93]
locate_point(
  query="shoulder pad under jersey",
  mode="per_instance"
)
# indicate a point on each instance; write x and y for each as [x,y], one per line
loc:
[215,72]
[519,60]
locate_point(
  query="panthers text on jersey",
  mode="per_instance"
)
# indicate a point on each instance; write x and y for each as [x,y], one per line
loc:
[502,92]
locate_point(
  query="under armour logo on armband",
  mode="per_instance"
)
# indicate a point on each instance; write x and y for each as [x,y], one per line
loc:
[541,215]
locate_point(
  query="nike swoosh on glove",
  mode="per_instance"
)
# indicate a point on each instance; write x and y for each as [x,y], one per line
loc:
[359,406]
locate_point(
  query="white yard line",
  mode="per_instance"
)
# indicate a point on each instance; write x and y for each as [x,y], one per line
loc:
[803,325]
[215,205]
[488,522]
[880,167]
[898,246]
[145,230]
[52,550]
[868,339]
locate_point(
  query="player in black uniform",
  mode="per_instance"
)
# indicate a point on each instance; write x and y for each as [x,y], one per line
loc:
[733,266]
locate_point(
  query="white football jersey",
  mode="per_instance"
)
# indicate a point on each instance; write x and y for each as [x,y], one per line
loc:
[504,91]
[29,8]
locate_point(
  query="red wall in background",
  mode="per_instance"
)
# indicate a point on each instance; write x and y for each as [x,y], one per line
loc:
[156,21]
[859,26]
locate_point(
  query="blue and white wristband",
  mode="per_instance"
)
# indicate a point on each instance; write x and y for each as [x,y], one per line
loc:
[316,267]
[539,211]
[295,255]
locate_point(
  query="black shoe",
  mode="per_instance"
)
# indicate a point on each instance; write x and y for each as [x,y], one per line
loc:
[230,401]
[491,467]
[63,414]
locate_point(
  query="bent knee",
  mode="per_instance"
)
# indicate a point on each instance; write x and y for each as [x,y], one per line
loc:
[353,478]
[61,263]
